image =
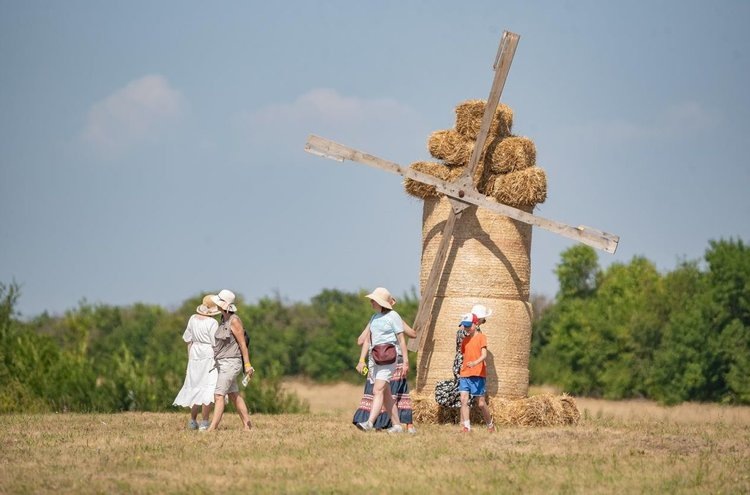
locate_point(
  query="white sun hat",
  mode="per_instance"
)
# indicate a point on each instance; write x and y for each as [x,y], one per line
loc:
[225,300]
[481,311]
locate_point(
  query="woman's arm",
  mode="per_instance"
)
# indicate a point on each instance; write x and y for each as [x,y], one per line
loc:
[364,336]
[239,333]
[362,356]
[409,331]
[404,350]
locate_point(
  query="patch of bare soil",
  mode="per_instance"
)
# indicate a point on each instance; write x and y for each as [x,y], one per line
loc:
[334,397]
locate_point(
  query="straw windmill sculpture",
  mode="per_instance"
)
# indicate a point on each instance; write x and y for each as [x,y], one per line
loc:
[479,236]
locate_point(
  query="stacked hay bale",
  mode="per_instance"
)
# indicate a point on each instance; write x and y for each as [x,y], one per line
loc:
[489,259]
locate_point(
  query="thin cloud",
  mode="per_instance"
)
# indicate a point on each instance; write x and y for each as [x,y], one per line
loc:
[683,121]
[326,112]
[137,113]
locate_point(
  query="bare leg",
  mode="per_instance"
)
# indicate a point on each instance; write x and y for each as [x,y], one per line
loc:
[390,405]
[218,411]
[464,407]
[194,411]
[239,404]
[485,410]
[394,409]
[205,411]
[377,399]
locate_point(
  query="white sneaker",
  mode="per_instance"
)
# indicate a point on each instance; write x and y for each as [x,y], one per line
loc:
[366,426]
[411,430]
[395,429]
[192,425]
[203,425]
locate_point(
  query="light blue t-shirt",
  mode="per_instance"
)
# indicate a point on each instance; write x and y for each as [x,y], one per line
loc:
[384,327]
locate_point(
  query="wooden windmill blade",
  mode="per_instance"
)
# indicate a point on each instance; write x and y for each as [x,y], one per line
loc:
[460,199]
[598,239]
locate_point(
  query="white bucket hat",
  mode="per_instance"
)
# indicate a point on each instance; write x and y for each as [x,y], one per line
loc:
[481,311]
[382,297]
[208,307]
[225,300]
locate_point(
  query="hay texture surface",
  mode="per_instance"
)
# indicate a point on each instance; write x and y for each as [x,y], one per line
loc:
[450,147]
[537,410]
[455,150]
[525,187]
[469,119]
[511,154]
[424,191]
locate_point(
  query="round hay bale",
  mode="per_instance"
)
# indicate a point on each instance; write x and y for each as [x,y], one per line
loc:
[469,119]
[424,191]
[511,154]
[489,256]
[522,188]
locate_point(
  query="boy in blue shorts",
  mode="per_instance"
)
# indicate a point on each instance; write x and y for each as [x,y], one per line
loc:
[473,376]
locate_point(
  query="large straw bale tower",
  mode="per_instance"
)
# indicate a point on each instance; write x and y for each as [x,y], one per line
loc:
[489,258]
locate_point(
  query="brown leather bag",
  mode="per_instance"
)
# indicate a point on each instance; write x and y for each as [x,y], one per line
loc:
[384,354]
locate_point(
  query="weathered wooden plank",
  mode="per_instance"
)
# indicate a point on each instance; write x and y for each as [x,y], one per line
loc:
[586,235]
[421,321]
[505,52]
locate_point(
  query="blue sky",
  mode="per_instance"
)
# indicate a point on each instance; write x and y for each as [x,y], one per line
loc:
[153,151]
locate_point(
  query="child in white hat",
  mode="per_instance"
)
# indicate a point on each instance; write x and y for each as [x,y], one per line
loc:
[473,375]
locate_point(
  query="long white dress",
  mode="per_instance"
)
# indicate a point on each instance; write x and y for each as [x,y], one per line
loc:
[200,379]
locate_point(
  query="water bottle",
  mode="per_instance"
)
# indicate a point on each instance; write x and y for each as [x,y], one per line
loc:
[246,378]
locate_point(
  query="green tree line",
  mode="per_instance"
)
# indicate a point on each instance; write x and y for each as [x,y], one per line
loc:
[107,358]
[627,331]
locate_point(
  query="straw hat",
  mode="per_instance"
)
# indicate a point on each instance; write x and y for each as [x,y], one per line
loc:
[208,307]
[225,300]
[382,297]
[481,311]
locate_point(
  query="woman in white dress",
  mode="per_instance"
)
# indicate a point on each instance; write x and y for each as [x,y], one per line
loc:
[200,380]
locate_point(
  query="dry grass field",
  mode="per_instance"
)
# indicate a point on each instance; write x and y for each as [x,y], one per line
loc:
[618,447]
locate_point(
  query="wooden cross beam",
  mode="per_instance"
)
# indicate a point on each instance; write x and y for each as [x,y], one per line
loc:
[462,193]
